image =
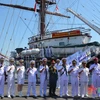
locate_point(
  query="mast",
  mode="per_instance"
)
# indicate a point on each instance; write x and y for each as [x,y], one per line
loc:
[43,6]
[42,17]
[42,11]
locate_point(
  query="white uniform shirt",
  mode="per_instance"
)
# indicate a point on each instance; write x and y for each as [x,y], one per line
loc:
[43,73]
[74,72]
[11,72]
[63,72]
[1,70]
[57,66]
[21,72]
[84,74]
[95,66]
[1,74]
[32,74]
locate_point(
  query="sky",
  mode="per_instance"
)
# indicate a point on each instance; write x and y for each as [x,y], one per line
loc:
[16,25]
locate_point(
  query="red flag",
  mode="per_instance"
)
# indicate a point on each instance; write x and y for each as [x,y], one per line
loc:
[35,10]
[57,9]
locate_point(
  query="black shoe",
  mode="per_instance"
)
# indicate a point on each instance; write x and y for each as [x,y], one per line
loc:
[54,94]
[26,97]
[35,97]
[44,96]
[1,97]
[12,97]
[50,94]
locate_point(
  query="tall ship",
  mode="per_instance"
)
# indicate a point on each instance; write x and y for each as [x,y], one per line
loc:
[56,43]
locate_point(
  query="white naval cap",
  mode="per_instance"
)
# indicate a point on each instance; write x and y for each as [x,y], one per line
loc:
[11,59]
[44,59]
[84,62]
[57,59]
[64,59]
[1,58]
[32,62]
[21,61]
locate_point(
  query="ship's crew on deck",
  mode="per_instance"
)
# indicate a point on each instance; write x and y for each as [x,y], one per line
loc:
[73,71]
[43,77]
[2,77]
[64,78]
[32,76]
[20,76]
[53,76]
[94,69]
[83,73]
[11,78]
[57,67]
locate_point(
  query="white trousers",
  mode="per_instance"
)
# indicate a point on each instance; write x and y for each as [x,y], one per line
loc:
[63,86]
[11,86]
[94,84]
[58,81]
[33,86]
[75,85]
[43,87]
[83,88]
[98,85]
[1,85]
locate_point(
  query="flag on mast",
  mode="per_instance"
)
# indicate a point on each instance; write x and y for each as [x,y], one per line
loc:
[35,10]
[57,9]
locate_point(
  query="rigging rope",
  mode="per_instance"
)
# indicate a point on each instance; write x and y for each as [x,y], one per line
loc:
[7,32]
[74,15]
[25,32]
[35,24]
[4,24]
[93,15]
[26,25]
[51,16]
[12,33]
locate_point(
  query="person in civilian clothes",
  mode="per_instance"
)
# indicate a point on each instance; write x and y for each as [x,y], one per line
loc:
[11,78]
[83,73]
[2,77]
[63,70]
[73,71]
[20,76]
[43,77]
[57,67]
[53,76]
[94,69]
[32,76]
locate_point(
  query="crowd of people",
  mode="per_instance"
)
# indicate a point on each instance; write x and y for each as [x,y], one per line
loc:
[57,74]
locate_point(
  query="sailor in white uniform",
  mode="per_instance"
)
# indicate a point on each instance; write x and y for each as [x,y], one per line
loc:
[32,76]
[73,71]
[2,77]
[64,78]
[57,67]
[94,69]
[43,77]
[20,76]
[84,78]
[11,78]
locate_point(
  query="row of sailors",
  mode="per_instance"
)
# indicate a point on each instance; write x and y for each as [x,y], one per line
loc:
[55,73]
